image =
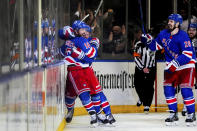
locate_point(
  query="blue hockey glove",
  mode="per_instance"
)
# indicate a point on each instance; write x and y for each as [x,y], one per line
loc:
[146,38]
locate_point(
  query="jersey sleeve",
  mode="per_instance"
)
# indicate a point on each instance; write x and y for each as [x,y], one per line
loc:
[156,44]
[86,47]
[79,54]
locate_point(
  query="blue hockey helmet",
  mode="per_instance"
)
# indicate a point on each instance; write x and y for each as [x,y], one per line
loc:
[86,27]
[77,24]
[193,25]
[66,33]
[176,18]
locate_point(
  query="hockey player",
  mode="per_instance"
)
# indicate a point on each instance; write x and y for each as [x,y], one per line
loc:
[77,78]
[104,102]
[180,66]
[192,32]
[96,91]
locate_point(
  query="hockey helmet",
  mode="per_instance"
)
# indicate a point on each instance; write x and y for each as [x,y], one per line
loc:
[176,18]
[77,24]
[66,33]
[86,27]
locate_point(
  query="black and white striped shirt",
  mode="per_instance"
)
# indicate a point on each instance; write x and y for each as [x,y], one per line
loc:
[146,58]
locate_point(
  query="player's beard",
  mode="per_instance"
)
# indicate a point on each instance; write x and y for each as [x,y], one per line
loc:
[171,27]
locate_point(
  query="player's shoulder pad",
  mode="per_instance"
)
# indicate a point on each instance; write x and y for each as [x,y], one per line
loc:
[164,31]
[81,39]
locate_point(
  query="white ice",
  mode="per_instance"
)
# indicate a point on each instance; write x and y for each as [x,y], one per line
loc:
[131,122]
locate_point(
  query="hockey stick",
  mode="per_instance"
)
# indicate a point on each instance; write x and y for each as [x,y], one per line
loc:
[96,12]
[141,16]
[84,17]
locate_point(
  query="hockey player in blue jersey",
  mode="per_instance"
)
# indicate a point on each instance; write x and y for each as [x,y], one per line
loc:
[77,83]
[96,93]
[104,102]
[180,66]
[192,32]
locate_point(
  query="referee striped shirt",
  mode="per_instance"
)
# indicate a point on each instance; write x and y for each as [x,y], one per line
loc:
[145,58]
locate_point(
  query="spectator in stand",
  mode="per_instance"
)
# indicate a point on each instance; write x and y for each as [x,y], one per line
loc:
[116,41]
[92,22]
[108,19]
[186,20]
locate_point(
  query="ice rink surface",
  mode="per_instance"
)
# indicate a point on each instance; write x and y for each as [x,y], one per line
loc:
[131,122]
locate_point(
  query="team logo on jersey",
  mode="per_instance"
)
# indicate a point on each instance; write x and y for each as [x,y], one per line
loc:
[166,42]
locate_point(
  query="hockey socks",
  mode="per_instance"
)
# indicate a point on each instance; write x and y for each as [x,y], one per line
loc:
[96,102]
[70,102]
[105,104]
[189,100]
[86,102]
[171,100]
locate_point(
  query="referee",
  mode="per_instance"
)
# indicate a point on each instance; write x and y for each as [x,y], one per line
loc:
[145,72]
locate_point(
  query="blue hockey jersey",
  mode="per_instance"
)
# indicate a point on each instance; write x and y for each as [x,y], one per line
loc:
[80,46]
[177,47]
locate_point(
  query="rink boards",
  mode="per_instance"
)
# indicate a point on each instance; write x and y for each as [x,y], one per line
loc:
[34,99]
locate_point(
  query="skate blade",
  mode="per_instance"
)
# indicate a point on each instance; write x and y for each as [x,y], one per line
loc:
[107,125]
[111,124]
[146,112]
[94,125]
[190,124]
[175,123]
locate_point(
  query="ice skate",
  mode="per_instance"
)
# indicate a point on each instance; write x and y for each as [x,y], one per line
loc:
[172,119]
[93,118]
[69,115]
[102,119]
[111,119]
[139,103]
[146,109]
[191,119]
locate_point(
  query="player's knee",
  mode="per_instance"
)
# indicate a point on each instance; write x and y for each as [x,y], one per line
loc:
[169,91]
[102,96]
[95,97]
[85,96]
[186,92]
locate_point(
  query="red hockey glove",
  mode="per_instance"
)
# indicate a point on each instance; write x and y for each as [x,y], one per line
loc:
[172,66]
[95,41]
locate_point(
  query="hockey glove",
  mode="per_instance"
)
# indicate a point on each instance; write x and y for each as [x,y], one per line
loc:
[96,42]
[172,66]
[68,51]
[146,39]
